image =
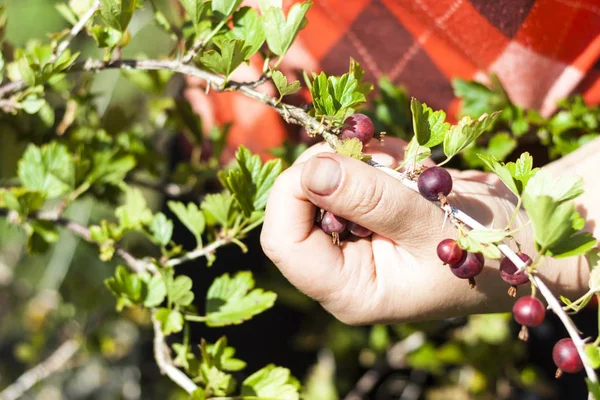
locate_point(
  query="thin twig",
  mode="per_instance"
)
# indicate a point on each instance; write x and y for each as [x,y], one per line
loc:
[164,361]
[51,365]
[77,28]
[202,252]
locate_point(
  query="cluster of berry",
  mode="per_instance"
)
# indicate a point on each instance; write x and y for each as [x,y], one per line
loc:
[435,184]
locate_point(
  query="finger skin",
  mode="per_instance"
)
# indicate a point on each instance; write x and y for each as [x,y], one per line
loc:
[368,196]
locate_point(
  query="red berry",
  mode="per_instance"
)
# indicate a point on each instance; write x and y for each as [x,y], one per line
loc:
[529,311]
[433,182]
[449,251]
[566,357]
[469,266]
[358,230]
[508,269]
[358,126]
[331,223]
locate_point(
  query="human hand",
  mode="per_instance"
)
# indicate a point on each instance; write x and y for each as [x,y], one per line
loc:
[395,274]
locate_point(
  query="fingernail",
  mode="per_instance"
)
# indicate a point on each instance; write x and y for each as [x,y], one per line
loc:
[323,175]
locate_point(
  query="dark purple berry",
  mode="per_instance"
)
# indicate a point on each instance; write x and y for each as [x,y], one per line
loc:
[358,230]
[529,311]
[433,182]
[508,269]
[566,357]
[449,251]
[358,126]
[469,266]
[333,225]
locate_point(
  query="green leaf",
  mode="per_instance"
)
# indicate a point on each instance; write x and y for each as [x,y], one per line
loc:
[250,182]
[171,321]
[265,4]
[352,148]
[106,37]
[281,32]
[162,229]
[191,216]
[522,171]
[502,171]
[421,126]
[110,167]
[230,55]
[461,135]
[248,27]
[117,13]
[593,388]
[22,200]
[32,104]
[197,10]
[218,382]
[218,208]
[134,213]
[26,72]
[415,153]
[488,250]
[438,126]
[127,287]
[336,96]
[48,169]
[179,290]
[485,235]
[155,291]
[221,356]
[477,99]
[283,87]
[555,221]
[225,7]
[271,383]
[233,300]
[593,354]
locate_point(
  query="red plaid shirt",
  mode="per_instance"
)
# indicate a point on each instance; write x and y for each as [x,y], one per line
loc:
[542,51]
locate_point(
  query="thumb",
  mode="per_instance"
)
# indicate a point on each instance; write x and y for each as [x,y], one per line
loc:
[363,194]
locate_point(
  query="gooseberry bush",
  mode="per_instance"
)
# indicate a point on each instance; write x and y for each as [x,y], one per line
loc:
[74,154]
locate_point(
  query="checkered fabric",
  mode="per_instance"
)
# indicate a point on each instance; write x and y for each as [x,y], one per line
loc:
[542,50]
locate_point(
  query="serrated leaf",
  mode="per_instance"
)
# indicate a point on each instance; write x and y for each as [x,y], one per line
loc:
[465,132]
[117,14]
[352,148]
[471,245]
[191,216]
[197,11]
[414,153]
[485,235]
[155,291]
[247,26]
[230,55]
[179,290]
[162,229]
[171,321]
[218,208]
[225,7]
[21,200]
[555,221]
[250,182]
[134,213]
[221,356]
[283,87]
[110,167]
[265,4]
[502,171]
[271,383]
[48,169]
[420,122]
[218,382]
[281,32]
[233,300]
[127,287]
